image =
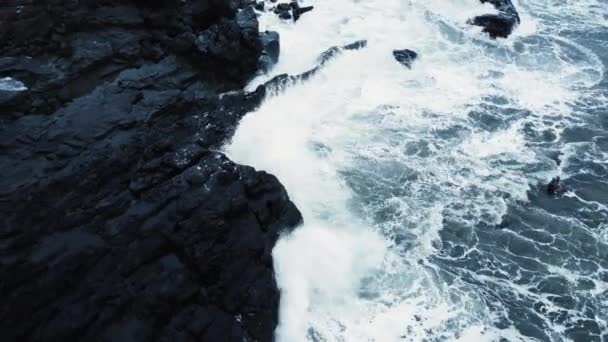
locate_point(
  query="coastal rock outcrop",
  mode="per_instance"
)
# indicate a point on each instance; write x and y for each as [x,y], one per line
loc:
[501,24]
[119,218]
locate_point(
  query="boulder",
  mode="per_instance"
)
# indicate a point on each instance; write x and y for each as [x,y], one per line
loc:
[285,15]
[405,57]
[290,10]
[498,25]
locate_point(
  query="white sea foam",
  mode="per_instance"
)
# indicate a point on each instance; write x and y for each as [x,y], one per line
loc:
[11,84]
[376,156]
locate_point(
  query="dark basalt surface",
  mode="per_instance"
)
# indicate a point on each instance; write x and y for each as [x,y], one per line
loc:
[405,57]
[119,219]
[284,10]
[501,24]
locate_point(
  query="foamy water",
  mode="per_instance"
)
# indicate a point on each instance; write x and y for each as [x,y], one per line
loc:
[402,175]
[11,84]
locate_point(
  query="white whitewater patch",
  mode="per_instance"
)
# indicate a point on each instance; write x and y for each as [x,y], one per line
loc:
[336,255]
[11,84]
[376,156]
[509,143]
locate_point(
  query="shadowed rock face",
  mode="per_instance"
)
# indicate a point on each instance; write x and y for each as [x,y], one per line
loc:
[119,221]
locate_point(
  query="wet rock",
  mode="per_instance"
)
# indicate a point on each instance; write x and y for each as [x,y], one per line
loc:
[498,25]
[298,11]
[283,7]
[233,42]
[405,57]
[358,45]
[290,10]
[118,220]
[495,25]
[283,80]
[92,42]
[334,51]
[285,15]
[260,6]
[554,187]
[271,49]
[8,96]
[25,64]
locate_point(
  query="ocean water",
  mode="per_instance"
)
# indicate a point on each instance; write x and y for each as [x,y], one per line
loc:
[423,190]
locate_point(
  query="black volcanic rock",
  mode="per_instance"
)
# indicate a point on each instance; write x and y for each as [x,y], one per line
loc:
[555,187]
[260,6]
[298,10]
[233,42]
[89,43]
[289,10]
[333,51]
[271,48]
[283,80]
[283,7]
[405,57]
[495,25]
[285,15]
[498,25]
[119,220]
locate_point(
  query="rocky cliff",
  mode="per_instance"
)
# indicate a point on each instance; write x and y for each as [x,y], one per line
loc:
[119,219]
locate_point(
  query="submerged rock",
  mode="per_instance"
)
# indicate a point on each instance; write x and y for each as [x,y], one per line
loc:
[555,187]
[119,221]
[280,81]
[405,57]
[333,51]
[498,25]
[289,10]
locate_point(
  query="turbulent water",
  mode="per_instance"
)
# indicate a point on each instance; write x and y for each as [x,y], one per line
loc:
[424,217]
[9,84]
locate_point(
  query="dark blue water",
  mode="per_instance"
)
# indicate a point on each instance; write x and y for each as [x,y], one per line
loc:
[544,269]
